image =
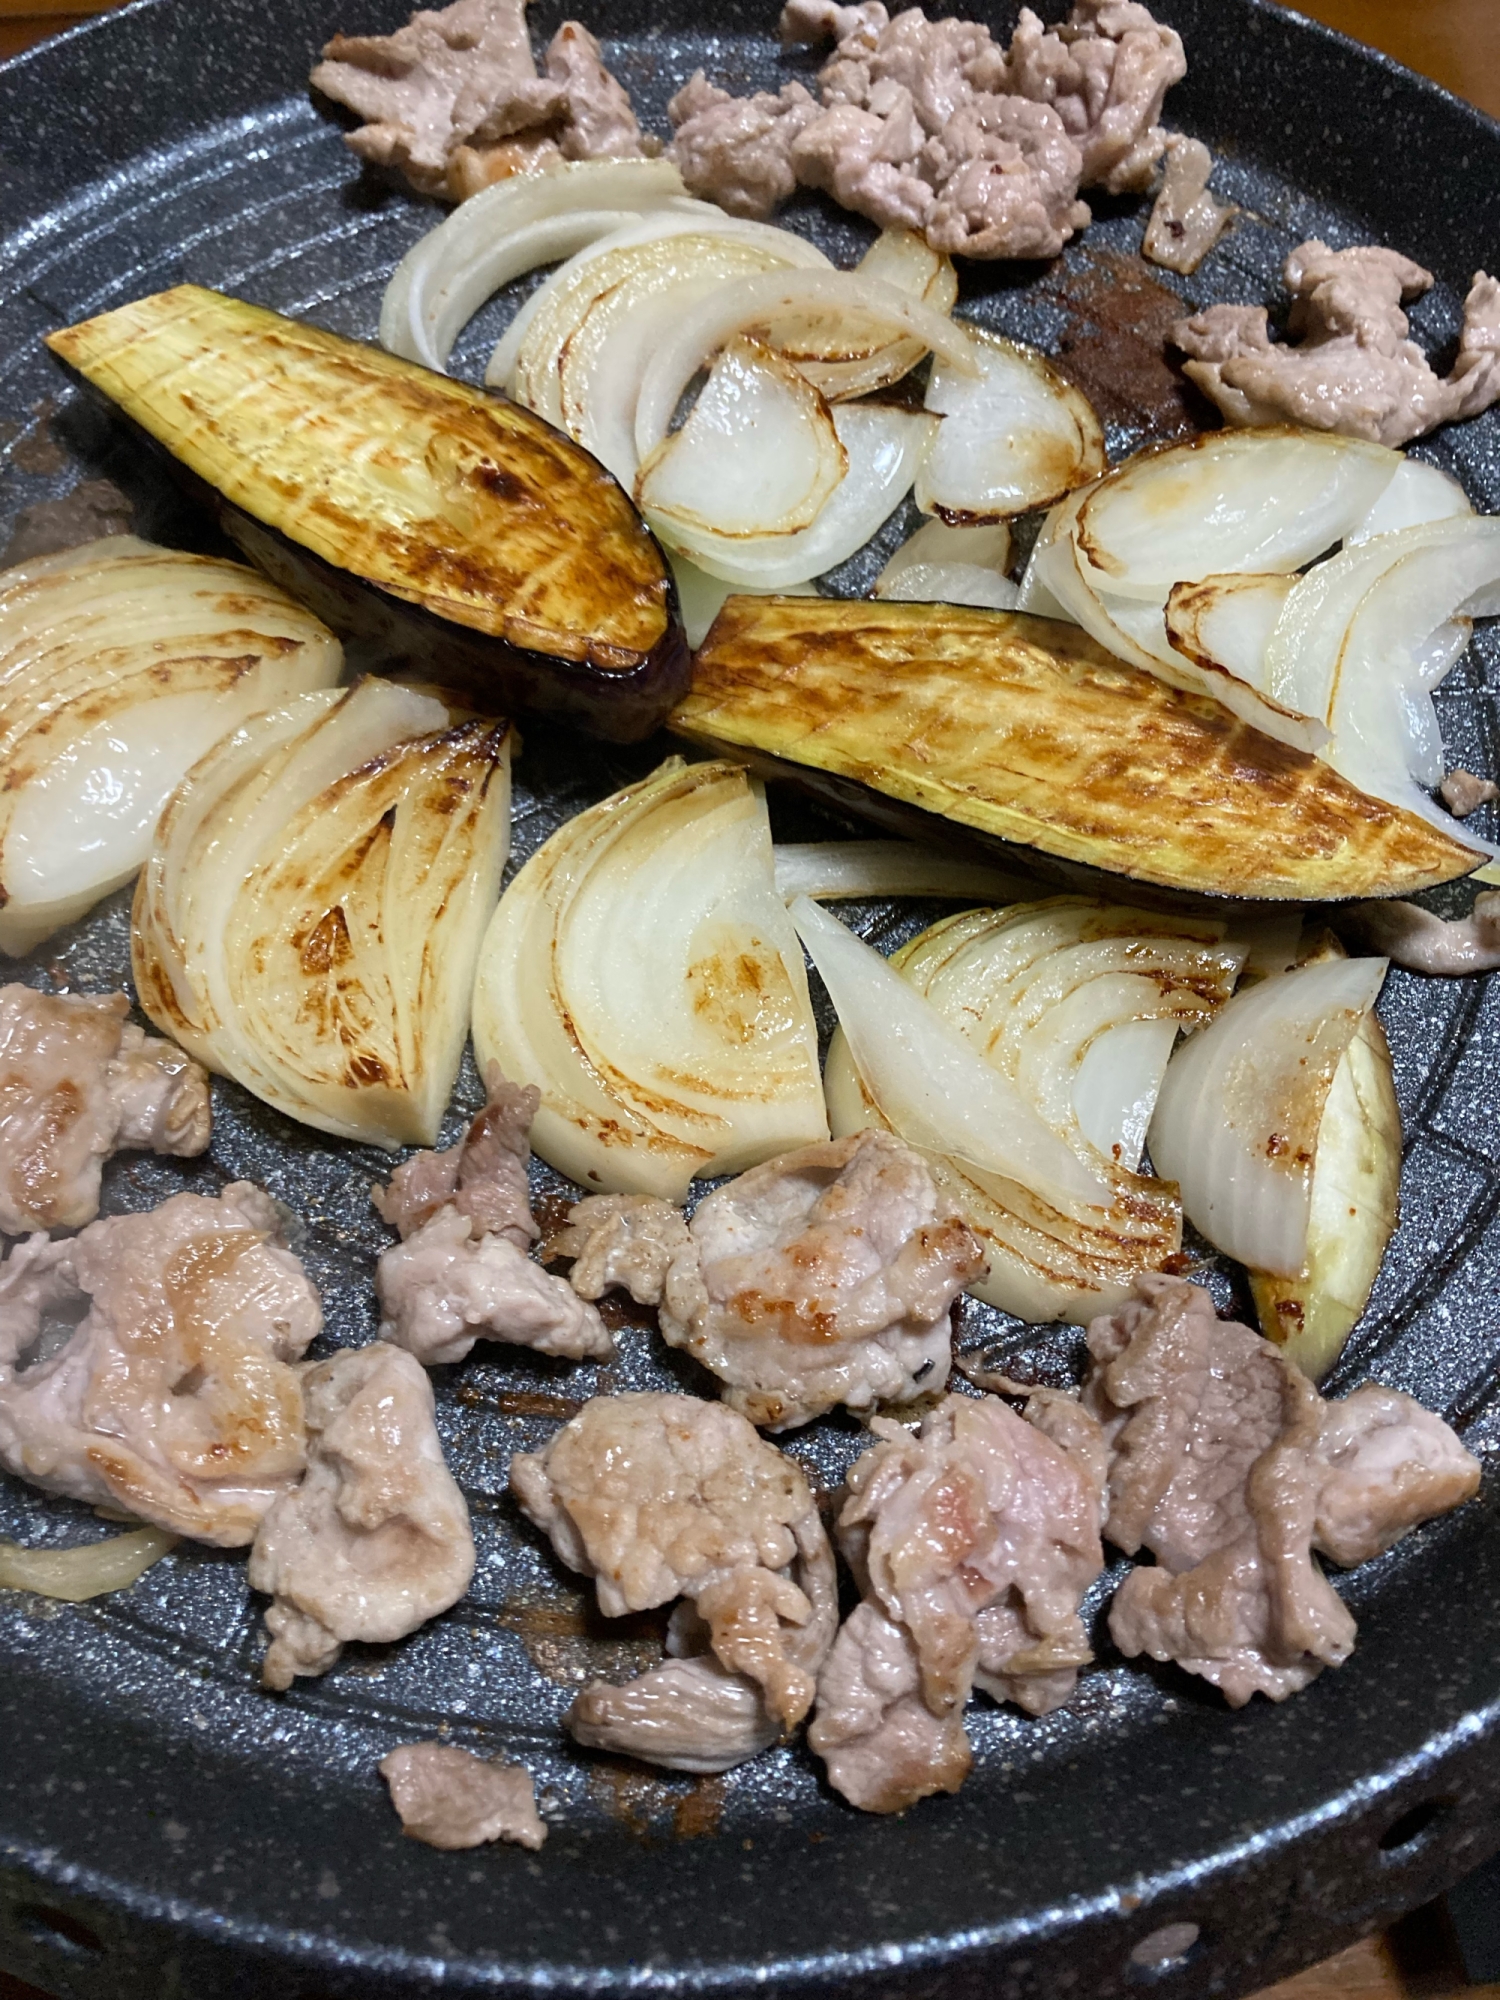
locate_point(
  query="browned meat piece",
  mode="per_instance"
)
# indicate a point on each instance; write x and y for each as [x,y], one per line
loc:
[737,150]
[1232,1470]
[454,101]
[1349,365]
[822,1277]
[462,1270]
[484,1177]
[973,1540]
[883,1746]
[1411,936]
[77,1083]
[173,1397]
[601,121]
[814,21]
[1105,72]
[450,1798]
[1462,793]
[1186,222]
[1388,1466]
[658,1497]
[1007,178]
[375,1541]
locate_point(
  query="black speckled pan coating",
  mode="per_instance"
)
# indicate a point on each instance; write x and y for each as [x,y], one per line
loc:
[166,1828]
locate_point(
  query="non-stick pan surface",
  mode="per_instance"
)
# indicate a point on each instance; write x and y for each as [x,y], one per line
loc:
[168,1829]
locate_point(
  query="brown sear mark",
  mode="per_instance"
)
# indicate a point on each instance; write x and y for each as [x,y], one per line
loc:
[1119,322]
[698,1814]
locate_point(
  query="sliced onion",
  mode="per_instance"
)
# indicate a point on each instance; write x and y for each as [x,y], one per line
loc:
[757,457]
[928,1082]
[848,354]
[602,304]
[1075,1003]
[750,305]
[1227,622]
[641,970]
[75,1575]
[885,447]
[700,597]
[1237,1121]
[1013,438]
[950,583]
[120,664]
[494,236]
[311,914]
[1230,501]
[830,869]
[950,565]
[1418,493]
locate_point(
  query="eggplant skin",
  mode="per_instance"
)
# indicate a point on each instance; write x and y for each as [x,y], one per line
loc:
[446,525]
[1024,731]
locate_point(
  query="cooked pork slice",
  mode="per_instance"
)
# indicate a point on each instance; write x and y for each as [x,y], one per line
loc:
[1388,1465]
[173,1395]
[883,1746]
[1232,1470]
[1186,222]
[737,150]
[658,1497]
[1348,365]
[973,1540]
[1105,72]
[688,1715]
[77,1083]
[601,122]
[1462,793]
[483,1177]
[812,21]
[822,1277]
[461,1271]
[450,1798]
[453,99]
[1007,181]
[1447,948]
[375,1540]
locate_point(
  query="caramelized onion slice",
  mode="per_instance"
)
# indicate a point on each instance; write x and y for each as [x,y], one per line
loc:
[75,1575]
[1013,438]
[641,970]
[1229,501]
[1241,1107]
[758,455]
[850,354]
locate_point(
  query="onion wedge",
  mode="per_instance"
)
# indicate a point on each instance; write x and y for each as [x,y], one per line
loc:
[1016,437]
[1238,1119]
[1076,1004]
[1418,493]
[758,455]
[312,911]
[73,1576]
[445,278]
[641,970]
[1353,1210]
[884,446]
[120,664]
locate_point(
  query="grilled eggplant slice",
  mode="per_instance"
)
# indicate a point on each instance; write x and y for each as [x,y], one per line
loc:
[455,530]
[1025,731]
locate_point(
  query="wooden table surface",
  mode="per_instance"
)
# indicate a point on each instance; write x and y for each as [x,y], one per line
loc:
[1456,42]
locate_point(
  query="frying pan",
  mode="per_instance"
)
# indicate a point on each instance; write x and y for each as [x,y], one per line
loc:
[168,1829]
